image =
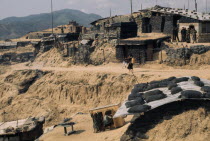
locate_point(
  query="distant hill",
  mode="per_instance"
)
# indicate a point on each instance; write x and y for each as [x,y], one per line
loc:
[14,27]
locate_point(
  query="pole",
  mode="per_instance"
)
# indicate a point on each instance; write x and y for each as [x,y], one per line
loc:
[131,7]
[195,6]
[141,6]
[206,5]
[110,12]
[188,4]
[52,16]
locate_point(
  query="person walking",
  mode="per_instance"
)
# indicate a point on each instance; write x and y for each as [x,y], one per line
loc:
[131,61]
[184,34]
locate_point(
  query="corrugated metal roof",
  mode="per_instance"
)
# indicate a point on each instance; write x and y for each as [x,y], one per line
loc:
[188,85]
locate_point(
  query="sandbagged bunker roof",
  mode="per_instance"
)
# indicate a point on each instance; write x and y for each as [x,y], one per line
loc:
[182,12]
[148,96]
[19,126]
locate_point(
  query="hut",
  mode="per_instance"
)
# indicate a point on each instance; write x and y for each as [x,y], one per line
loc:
[98,114]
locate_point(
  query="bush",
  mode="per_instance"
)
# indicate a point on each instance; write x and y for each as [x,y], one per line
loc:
[139,109]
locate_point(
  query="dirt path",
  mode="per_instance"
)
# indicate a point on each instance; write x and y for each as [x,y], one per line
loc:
[157,70]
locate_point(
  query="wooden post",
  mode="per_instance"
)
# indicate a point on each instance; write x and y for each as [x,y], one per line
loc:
[65,131]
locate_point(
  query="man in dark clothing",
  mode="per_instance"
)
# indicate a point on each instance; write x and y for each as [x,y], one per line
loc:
[194,35]
[188,39]
[184,34]
[175,34]
[108,119]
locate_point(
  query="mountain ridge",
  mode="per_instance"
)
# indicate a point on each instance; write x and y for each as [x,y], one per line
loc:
[15,27]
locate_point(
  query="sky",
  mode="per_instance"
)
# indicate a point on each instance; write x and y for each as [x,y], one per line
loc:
[21,8]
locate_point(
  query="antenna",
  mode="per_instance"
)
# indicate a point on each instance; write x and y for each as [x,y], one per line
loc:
[131,6]
[156,2]
[141,6]
[52,15]
[110,12]
[206,6]
[188,4]
[184,7]
[196,6]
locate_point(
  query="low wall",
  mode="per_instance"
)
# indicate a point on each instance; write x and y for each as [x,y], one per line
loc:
[182,56]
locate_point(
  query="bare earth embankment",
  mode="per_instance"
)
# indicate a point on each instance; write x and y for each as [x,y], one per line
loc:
[47,87]
[57,93]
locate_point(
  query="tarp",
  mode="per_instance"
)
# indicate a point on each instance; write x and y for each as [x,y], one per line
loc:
[187,85]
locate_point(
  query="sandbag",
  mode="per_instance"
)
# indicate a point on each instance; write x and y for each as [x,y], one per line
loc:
[138,101]
[206,89]
[141,87]
[135,90]
[155,97]
[152,86]
[191,94]
[199,83]
[150,93]
[171,78]
[176,90]
[139,109]
[178,80]
[172,85]
[135,96]
[207,95]
[163,84]
[195,78]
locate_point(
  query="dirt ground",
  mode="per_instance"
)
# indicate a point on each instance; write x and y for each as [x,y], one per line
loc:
[64,91]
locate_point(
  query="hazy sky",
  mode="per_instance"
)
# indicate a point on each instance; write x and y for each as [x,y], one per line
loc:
[19,8]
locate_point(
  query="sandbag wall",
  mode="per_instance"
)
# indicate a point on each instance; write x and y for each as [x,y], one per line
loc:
[16,58]
[182,56]
[187,92]
[144,93]
[155,22]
